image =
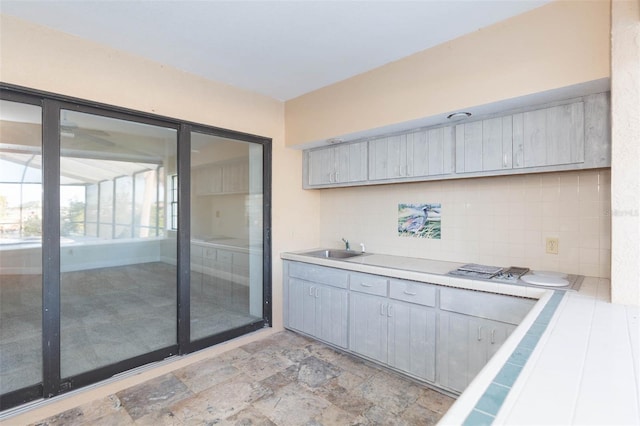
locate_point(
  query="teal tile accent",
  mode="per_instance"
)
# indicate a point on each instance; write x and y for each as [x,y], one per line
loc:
[476,418]
[536,329]
[520,356]
[529,341]
[508,374]
[492,399]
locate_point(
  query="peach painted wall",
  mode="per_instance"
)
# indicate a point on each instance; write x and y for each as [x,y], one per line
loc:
[557,45]
[43,59]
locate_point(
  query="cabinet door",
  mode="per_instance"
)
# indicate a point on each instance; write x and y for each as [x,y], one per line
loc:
[321,166]
[387,157]
[332,308]
[295,301]
[368,326]
[484,145]
[302,306]
[459,351]
[412,335]
[549,136]
[351,162]
[207,180]
[235,178]
[497,334]
[465,345]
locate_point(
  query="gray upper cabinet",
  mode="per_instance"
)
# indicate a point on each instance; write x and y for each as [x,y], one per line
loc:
[336,165]
[549,136]
[484,145]
[230,177]
[568,135]
[412,155]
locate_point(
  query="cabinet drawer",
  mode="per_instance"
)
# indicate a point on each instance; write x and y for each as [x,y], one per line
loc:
[496,307]
[370,284]
[209,253]
[224,256]
[319,274]
[409,291]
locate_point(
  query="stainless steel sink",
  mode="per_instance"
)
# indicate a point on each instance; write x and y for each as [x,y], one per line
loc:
[333,254]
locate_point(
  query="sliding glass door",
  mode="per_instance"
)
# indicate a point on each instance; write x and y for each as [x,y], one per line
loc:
[118,278]
[226,234]
[20,246]
[125,239]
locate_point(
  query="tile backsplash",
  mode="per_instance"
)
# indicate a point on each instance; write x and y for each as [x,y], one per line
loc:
[502,220]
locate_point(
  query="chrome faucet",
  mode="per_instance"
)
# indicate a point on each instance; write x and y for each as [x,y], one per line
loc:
[346,244]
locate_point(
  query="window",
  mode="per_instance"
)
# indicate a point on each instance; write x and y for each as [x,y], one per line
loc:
[174,202]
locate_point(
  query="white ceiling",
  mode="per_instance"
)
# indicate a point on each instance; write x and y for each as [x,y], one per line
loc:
[282,49]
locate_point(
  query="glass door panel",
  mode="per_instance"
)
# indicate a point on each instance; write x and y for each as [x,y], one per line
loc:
[226,234]
[20,245]
[118,280]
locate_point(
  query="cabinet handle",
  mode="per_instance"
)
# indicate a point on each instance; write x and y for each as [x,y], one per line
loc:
[408,293]
[382,309]
[408,170]
[337,178]
[479,332]
[311,291]
[389,311]
[331,177]
[493,336]
[317,292]
[504,161]
[366,285]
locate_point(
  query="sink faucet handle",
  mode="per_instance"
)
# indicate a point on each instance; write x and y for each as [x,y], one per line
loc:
[346,244]
[362,247]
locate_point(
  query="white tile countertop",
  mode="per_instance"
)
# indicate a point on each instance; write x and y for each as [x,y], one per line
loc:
[575,358]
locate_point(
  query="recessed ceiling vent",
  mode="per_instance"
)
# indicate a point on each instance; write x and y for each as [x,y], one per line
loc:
[461,115]
[334,141]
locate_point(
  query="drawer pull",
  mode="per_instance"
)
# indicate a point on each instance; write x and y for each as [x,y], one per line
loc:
[366,285]
[408,293]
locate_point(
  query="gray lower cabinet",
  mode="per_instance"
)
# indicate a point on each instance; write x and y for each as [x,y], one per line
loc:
[471,328]
[399,334]
[315,307]
[368,326]
[412,339]
[440,335]
[465,345]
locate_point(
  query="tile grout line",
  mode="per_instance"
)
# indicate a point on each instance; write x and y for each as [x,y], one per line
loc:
[584,358]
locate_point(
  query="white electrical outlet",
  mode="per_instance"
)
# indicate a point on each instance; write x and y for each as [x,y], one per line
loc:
[552,245]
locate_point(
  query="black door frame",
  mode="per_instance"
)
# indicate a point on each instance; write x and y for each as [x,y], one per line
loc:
[52,383]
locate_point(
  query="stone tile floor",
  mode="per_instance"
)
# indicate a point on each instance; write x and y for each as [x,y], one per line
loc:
[285,379]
